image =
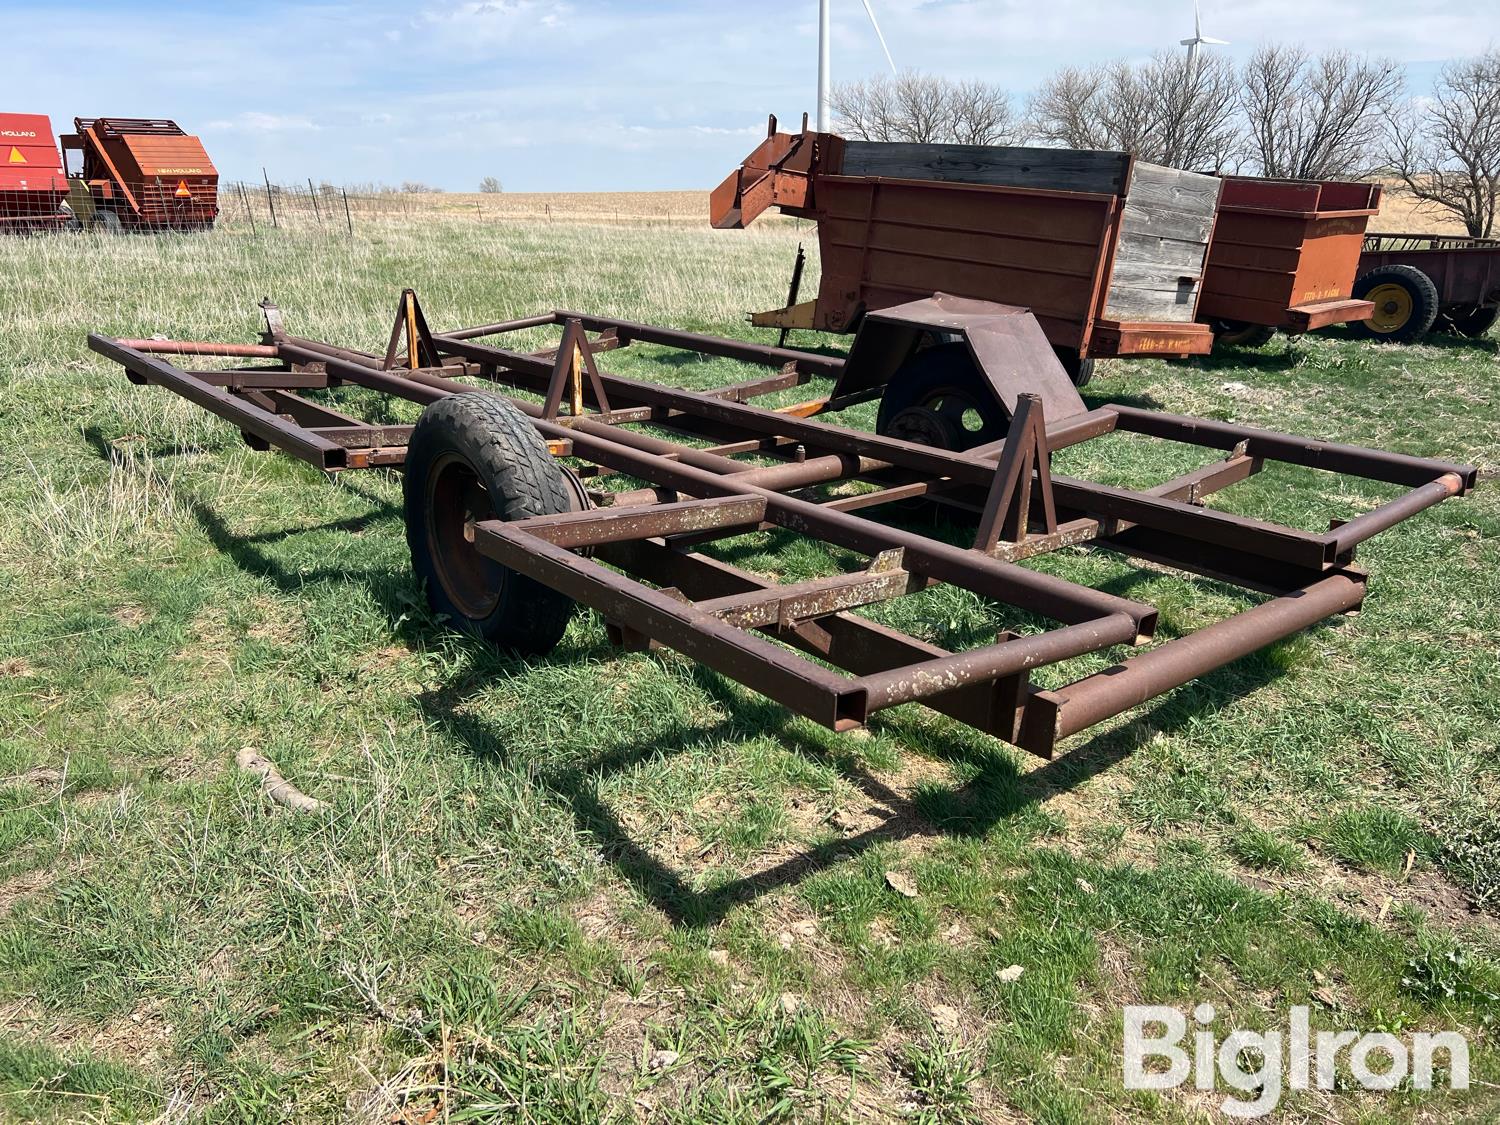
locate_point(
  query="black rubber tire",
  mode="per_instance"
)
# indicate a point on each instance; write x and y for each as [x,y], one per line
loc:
[1241,334]
[1424,301]
[942,383]
[1080,370]
[107,221]
[1471,321]
[462,444]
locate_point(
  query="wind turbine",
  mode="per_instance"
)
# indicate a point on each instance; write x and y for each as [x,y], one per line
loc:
[1199,39]
[825,77]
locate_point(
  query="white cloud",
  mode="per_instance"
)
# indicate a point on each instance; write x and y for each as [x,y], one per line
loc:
[254,122]
[481,24]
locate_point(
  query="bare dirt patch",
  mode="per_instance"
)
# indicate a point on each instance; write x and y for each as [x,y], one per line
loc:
[1378,898]
[24,885]
[131,616]
[141,1038]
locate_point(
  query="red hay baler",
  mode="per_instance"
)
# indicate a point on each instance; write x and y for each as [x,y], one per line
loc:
[32,183]
[142,174]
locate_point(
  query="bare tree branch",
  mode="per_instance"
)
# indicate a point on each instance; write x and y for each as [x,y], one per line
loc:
[926,109]
[1446,149]
[1316,118]
[1164,111]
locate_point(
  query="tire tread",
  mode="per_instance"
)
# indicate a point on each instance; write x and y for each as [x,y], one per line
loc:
[506,450]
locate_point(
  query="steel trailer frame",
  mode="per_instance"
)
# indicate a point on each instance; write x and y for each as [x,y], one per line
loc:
[632,555]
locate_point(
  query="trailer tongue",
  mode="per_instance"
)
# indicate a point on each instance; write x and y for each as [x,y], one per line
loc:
[512,515]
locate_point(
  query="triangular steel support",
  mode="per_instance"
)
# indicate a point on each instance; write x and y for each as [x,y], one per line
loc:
[1007,510]
[420,350]
[574,361]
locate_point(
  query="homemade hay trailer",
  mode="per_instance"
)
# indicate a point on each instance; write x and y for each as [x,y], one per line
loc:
[557,486]
[1107,251]
[32,183]
[1284,255]
[1416,282]
[140,174]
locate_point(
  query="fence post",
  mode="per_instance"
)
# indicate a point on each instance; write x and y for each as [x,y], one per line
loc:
[270,203]
[314,196]
[348,218]
[249,211]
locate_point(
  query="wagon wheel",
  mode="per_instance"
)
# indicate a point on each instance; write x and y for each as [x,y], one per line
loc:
[1406,304]
[1242,334]
[475,457]
[1079,368]
[939,398]
[107,221]
[1469,320]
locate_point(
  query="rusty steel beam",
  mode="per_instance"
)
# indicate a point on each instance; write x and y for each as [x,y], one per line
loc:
[1351,460]
[846,640]
[1054,715]
[732,621]
[250,418]
[195,347]
[821,695]
[610,525]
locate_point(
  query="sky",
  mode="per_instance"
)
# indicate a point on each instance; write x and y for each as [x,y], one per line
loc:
[575,95]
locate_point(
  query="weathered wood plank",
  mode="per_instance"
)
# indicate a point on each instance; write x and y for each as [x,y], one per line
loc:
[1166,222]
[1153,185]
[1177,253]
[1151,275]
[1140,304]
[1050,169]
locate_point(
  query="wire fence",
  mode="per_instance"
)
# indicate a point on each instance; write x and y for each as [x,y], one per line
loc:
[195,204]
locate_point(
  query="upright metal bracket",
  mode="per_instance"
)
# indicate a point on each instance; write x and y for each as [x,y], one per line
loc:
[275,331]
[420,350]
[1007,511]
[575,359]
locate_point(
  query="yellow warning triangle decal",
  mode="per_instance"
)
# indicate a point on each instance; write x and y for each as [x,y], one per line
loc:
[15,155]
[182,190]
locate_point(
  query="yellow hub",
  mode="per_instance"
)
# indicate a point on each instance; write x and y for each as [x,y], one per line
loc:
[1393,307]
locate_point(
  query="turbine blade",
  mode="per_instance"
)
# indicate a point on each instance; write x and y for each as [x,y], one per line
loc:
[1216,42]
[869,11]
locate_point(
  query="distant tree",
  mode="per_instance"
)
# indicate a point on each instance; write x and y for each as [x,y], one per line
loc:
[926,109]
[490,186]
[1068,110]
[1316,118]
[1446,149]
[415,187]
[1164,110]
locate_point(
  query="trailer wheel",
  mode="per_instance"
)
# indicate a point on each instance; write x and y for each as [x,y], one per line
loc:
[1242,334]
[1079,369]
[474,457]
[107,221]
[1406,304]
[1471,320]
[939,398]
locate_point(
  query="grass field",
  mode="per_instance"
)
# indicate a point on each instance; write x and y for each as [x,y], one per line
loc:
[621,887]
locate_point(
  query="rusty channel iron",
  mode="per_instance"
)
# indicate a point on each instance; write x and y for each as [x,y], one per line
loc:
[748,627]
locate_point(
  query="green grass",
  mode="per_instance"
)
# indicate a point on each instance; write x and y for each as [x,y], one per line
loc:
[604,886]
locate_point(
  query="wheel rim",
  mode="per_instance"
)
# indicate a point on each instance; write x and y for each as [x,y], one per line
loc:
[949,418]
[1393,307]
[455,500]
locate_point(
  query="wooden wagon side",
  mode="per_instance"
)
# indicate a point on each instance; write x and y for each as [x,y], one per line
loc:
[1107,251]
